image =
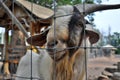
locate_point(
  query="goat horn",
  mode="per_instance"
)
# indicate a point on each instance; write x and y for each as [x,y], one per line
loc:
[90,8]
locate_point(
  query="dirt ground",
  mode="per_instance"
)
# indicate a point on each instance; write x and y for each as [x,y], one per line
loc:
[97,65]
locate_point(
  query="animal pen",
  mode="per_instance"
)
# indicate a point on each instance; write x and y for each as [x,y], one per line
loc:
[30,27]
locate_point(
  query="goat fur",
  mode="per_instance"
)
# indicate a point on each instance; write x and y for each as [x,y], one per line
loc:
[66,68]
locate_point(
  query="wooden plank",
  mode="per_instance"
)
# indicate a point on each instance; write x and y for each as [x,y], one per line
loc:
[15,55]
[17,49]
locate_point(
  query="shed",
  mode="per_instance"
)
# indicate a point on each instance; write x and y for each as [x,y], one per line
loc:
[108,50]
[12,13]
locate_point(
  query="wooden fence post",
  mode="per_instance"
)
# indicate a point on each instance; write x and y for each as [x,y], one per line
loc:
[6,64]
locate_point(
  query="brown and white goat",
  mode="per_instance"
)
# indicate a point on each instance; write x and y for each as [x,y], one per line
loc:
[67,32]
[63,40]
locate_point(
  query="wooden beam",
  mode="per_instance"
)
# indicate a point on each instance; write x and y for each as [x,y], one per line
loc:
[6,64]
[10,14]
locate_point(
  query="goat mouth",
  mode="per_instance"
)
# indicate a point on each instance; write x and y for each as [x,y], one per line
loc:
[53,52]
[57,55]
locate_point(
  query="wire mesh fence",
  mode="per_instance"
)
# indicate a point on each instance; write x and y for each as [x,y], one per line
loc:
[18,51]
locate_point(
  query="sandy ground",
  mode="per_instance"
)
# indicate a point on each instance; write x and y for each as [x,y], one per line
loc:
[97,65]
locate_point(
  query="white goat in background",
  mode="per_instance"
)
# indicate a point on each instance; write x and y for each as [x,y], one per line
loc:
[40,63]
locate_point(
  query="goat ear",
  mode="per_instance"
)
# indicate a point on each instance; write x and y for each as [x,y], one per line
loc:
[38,40]
[92,34]
[93,37]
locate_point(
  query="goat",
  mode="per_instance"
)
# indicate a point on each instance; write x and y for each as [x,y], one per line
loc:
[66,35]
[69,33]
[38,60]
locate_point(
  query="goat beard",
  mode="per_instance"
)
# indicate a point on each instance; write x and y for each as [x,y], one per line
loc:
[63,69]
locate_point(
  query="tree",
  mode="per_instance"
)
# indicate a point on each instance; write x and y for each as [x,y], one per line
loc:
[115,41]
[115,38]
[49,3]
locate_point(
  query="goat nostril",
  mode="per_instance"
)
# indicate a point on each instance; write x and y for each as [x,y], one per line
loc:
[52,43]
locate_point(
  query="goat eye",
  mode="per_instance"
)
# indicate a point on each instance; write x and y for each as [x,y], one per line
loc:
[41,30]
